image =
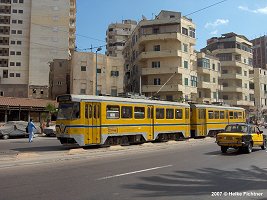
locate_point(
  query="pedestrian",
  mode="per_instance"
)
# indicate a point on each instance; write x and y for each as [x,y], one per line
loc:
[30,130]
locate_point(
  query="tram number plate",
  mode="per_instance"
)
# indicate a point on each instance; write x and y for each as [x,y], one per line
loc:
[112,130]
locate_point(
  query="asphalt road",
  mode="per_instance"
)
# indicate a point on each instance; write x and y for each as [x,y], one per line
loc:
[193,169]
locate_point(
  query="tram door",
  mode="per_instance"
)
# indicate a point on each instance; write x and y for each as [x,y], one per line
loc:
[96,130]
[150,118]
[88,123]
[202,122]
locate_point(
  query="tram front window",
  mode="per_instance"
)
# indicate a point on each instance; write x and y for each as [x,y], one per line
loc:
[68,111]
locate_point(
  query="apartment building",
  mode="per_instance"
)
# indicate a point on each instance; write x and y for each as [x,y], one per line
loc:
[260,52]
[59,78]
[160,60]
[32,34]
[117,35]
[235,54]
[260,83]
[208,74]
[107,74]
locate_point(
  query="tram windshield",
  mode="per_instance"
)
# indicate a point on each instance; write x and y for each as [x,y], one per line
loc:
[68,111]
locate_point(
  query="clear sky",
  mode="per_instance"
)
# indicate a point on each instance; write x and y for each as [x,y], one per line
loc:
[245,17]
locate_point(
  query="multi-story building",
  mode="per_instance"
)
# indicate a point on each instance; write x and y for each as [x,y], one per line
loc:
[208,74]
[107,74]
[32,34]
[160,60]
[260,52]
[260,85]
[235,53]
[59,78]
[117,35]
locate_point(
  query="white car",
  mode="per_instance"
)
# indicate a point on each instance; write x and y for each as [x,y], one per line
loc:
[50,130]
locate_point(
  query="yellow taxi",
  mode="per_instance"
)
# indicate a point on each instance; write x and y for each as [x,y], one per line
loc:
[241,136]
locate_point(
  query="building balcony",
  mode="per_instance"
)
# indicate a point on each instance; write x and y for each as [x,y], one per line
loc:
[166,36]
[166,88]
[161,70]
[159,54]
[232,76]
[233,89]
[234,51]
[235,63]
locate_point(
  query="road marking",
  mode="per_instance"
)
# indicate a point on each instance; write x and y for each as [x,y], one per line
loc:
[134,172]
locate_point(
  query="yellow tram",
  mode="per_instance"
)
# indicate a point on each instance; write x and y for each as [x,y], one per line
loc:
[208,120]
[96,120]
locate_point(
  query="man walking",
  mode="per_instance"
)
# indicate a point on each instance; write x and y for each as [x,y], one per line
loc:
[30,130]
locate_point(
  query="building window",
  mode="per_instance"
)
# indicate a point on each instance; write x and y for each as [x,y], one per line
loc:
[5,73]
[185,64]
[83,68]
[18,42]
[20,11]
[20,22]
[214,80]
[193,81]
[18,64]
[12,53]
[185,47]
[246,85]
[13,32]
[157,48]
[114,73]
[213,66]
[20,32]
[214,95]
[17,74]
[21,1]
[156,81]
[192,32]
[184,31]
[12,42]
[15,1]
[155,30]
[12,64]
[14,21]
[11,75]
[155,64]
[82,91]
[114,92]
[18,53]
[99,71]
[14,11]
[186,81]
[245,73]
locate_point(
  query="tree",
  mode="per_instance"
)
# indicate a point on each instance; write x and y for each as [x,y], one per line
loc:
[51,110]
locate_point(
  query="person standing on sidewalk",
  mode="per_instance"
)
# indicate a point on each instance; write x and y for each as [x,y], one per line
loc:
[30,130]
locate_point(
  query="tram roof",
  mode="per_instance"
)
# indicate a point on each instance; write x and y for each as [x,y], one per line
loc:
[93,98]
[215,106]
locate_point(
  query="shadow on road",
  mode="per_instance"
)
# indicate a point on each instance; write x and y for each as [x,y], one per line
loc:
[202,182]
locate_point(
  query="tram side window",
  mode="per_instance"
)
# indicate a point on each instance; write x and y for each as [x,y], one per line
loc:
[221,114]
[86,112]
[139,112]
[178,113]
[235,115]
[96,111]
[240,115]
[231,115]
[187,113]
[216,114]
[126,112]
[210,114]
[169,113]
[160,113]
[113,112]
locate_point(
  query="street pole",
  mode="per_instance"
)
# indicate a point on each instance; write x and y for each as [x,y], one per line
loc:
[98,49]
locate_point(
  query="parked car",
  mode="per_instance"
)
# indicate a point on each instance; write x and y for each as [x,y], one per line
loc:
[13,129]
[241,136]
[50,130]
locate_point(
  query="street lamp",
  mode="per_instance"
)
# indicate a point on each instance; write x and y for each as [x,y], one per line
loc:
[98,49]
